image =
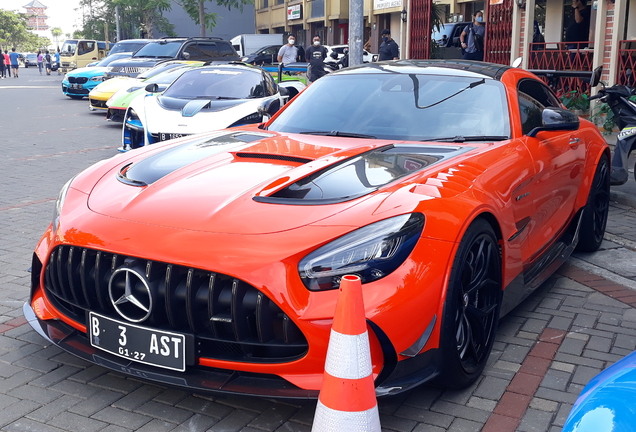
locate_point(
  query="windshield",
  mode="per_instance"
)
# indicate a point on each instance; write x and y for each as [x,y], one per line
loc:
[124,46]
[162,67]
[444,31]
[399,106]
[217,84]
[69,47]
[159,50]
[111,58]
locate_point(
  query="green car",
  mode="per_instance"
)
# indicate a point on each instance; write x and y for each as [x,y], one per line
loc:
[120,100]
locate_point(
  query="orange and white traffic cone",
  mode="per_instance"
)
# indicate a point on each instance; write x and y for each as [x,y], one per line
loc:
[347,398]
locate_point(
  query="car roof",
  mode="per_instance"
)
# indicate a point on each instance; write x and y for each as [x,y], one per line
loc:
[435,67]
[229,66]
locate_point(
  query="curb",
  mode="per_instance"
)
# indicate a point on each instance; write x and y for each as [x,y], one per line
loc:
[623,198]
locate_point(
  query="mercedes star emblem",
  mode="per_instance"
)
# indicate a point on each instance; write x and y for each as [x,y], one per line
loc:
[130,294]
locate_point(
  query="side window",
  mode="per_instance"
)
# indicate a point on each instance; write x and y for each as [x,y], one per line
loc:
[530,110]
[193,50]
[85,47]
[539,92]
[270,85]
[225,50]
[208,49]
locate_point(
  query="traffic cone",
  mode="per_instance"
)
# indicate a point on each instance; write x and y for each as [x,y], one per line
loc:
[347,398]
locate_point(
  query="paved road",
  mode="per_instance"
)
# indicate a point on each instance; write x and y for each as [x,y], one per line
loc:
[575,325]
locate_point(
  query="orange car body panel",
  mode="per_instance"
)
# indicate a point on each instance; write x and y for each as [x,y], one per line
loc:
[207,210]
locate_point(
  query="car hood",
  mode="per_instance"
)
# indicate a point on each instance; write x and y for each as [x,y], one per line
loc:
[123,97]
[255,182]
[114,84]
[137,62]
[88,72]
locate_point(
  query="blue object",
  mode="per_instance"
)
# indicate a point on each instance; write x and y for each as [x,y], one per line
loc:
[608,401]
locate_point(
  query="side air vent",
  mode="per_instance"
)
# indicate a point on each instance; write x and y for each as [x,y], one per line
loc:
[294,159]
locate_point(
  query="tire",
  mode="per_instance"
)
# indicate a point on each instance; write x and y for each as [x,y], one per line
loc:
[596,210]
[471,311]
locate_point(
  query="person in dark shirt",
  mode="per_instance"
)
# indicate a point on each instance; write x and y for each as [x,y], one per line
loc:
[578,32]
[316,55]
[388,49]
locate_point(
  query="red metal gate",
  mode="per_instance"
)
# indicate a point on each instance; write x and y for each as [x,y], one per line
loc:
[420,17]
[498,32]
[627,63]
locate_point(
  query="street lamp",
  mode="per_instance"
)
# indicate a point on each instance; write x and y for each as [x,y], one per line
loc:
[403,13]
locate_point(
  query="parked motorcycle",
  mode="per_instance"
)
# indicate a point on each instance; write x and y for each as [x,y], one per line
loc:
[617,97]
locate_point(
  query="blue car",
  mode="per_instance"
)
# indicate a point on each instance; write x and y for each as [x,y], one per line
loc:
[78,83]
[607,403]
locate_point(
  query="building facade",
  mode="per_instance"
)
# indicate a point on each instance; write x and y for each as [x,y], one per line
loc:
[229,22]
[36,13]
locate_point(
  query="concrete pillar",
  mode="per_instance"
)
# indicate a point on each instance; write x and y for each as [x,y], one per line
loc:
[516,34]
[528,32]
[620,11]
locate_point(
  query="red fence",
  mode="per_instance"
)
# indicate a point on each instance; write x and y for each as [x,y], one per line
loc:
[563,56]
[627,63]
[498,32]
[420,16]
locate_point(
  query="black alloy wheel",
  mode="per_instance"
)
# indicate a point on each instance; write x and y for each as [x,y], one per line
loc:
[471,312]
[596,210]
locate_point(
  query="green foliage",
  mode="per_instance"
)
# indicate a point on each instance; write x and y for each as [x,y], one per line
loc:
[603,116]
[575,100]
[207,20]
[13,31]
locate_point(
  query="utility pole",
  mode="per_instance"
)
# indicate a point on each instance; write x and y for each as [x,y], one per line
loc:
[356,29]
[117,23]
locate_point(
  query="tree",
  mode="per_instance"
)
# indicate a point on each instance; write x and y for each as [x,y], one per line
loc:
[13,30]
[196,10]
[56,32]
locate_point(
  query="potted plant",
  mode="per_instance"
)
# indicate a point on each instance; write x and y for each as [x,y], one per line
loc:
[577,101]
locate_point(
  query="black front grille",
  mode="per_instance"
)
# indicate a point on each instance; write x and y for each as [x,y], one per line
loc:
[98,103]
[77,80]
[78,91]
[231,320]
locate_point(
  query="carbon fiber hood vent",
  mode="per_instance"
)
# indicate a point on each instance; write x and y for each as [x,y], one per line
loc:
[361,174]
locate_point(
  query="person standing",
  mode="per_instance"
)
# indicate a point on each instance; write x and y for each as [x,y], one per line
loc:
[47,58]
[389,48]
[316,55]
[578,32]
[2,66]
[288,53]
[14,58]
[57,60]
[7,62]
[472,38]
[40,61]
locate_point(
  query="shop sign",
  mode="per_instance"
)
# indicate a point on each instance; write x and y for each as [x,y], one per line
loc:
[386,4]
[294,12]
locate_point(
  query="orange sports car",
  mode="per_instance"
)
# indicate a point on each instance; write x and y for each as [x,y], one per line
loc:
[212,262]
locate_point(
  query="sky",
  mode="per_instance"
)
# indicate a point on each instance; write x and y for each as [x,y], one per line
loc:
[61,13]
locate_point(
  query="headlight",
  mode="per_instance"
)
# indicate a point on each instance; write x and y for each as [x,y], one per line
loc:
[60,203]
[133,89]
[97,78]
[371,252]
[250,119]
[244,58]
[73,64]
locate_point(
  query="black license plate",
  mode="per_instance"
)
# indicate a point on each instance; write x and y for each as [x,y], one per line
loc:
[169,136]
[77,86]
[137,343]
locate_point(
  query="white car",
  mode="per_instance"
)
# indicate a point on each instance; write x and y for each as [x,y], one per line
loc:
[367,57]
[204,99]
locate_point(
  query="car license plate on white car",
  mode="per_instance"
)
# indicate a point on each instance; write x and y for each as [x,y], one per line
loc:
[144,345]
[76,86]
[169,136]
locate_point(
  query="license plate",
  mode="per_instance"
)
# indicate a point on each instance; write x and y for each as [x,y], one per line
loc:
[141,344]
[76,86]
[169,136]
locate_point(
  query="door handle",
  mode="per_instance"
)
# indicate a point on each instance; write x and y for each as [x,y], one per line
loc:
[574,142]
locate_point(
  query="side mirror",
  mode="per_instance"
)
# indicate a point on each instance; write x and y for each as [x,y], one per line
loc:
[186,55]
[556,119]
[152,88]
[596,76]
[517,62]
[269,107]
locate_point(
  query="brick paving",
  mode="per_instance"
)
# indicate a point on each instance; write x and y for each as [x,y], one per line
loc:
[576,324]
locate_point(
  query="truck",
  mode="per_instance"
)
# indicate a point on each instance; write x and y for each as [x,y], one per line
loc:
[77,53]
[246,44]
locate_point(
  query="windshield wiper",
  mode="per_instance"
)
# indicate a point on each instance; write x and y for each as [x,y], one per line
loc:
[461,138]
[416,91]
[338,134]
